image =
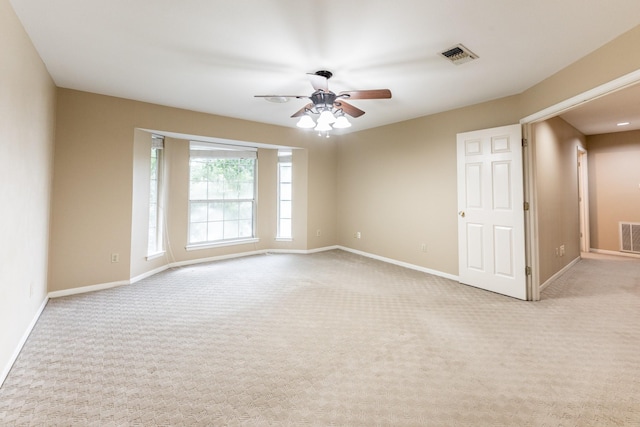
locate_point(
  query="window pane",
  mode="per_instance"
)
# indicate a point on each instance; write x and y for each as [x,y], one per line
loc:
[216,211]
[285,172]
[153,240]
[198,170]
[230,211]
[216,190]
[215,231]
[285,209]
[285,228]
[285,178]
[231,230]
[246,190]
[154,164]
[231,191]
[153,191]
[153,216]
[245,210]
[285,191]
[198,190]
[245,228]
[198,212]
[198,232]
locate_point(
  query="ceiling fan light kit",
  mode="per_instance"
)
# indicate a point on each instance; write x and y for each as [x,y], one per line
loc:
[342,123]
[330,108]
[306,122]
[327,117]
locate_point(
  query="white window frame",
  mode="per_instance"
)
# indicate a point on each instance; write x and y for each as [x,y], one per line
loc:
[156,210]
[285,161]
[213,151]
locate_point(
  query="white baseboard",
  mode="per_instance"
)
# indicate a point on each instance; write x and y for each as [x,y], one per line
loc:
[149,274]
[614,253]
[302,251]
[214,258]
[85,289]
[23,340]
[402,263]
[558,274]
[251,253]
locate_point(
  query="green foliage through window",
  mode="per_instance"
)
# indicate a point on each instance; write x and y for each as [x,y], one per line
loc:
[222,199]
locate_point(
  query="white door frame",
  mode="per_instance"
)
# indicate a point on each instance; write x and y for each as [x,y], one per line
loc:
[531,219]
[530,216]
[583,194]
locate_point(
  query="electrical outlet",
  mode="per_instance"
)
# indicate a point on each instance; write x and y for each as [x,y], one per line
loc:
[423,247]
[562,250]
[115,257]
[358,235]
[318,233]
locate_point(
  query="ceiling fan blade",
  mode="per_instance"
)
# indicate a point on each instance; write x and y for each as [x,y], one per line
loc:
[348,108]
[303,110]
[366,94]
[281,96]
[319,82]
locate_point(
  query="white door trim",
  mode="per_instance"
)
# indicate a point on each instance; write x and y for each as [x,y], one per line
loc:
[530,216]
[602,90]
[583,188]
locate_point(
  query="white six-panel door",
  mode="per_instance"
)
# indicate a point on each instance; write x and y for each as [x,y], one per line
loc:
[491,211]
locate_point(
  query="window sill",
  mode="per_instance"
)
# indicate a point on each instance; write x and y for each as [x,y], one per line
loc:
[155,255]
[284,239]
[221,244]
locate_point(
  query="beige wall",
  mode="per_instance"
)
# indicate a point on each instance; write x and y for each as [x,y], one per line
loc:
[398,185]
[98,190]
[613,60]
[27,101]
[555,143]
[614,186]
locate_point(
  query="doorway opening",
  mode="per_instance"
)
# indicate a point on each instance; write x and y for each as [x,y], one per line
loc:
[531,220]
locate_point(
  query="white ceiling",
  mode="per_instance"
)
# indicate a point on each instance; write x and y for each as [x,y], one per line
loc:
[603,114]
[214,55]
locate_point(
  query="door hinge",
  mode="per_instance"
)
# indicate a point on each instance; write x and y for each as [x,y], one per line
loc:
[525,143]
[526,206]
[527,271]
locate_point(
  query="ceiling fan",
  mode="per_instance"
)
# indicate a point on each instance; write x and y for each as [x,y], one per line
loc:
[330,107]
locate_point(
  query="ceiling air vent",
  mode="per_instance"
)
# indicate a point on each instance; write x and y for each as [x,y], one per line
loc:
[459,54]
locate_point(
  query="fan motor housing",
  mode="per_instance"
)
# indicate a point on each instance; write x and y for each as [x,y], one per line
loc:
[320,97]
[324,73]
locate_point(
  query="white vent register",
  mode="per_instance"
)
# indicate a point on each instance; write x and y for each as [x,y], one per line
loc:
[630,237]
[459,54]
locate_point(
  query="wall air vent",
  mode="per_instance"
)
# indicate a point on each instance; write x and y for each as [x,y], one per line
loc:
[630,237]
[459,54]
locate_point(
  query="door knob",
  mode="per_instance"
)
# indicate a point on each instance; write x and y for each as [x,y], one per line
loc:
[461,213]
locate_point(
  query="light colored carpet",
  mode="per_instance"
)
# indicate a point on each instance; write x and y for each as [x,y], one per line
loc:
[333,339]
